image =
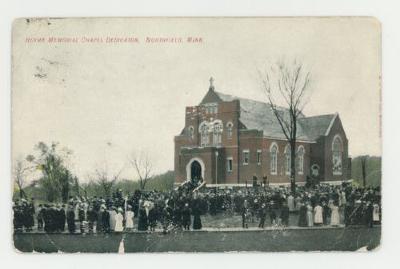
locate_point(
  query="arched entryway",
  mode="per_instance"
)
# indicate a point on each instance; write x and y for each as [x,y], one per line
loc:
[195,169]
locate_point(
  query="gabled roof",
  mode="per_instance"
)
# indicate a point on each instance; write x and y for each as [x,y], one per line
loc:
[256,115]
[317,126]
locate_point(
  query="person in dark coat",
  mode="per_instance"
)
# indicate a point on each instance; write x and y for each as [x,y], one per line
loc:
[40,218]
[46,218]
[28,213]
[285,214]
[186,220]
[303,215]
[196,211]
[245,214]
[18,216]
[71,219]
[166,217]
[348,214]
[99,222]
[92,218]
[62,218]
[272,213]
[142,218]
[262,215]
[105,220]
[152,218]
[369,214]
[81,217]
[326,212]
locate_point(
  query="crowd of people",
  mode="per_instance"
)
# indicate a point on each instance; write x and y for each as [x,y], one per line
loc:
[184,207]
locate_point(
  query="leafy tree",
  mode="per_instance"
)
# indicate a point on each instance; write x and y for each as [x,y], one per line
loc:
[21,169]
[371,170]
[56,177]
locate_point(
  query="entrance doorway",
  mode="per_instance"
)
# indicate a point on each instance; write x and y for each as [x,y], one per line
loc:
[195,171]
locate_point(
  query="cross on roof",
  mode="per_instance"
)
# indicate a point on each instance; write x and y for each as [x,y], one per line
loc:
[211,83]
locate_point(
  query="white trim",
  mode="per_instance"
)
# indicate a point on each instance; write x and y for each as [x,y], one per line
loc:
[331,124]
[276,158]
[277,147]
[287,152]
[304,152]
[229,123]
[337,136]
[243,152]
[189,164]
[191,135]
[341,141]
[286,184]
[284,139]
[259,160]
[229,126]
[227,164]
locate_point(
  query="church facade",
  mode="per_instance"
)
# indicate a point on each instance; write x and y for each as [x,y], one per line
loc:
[227,140]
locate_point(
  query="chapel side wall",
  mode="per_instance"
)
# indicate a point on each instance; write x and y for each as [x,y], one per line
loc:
[249,140]
[317,156]
[281,176]
[337,129]
[228,112]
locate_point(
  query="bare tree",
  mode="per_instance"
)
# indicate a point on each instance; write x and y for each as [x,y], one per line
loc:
[288,82]
[143,167]
[105,180]
[21,169]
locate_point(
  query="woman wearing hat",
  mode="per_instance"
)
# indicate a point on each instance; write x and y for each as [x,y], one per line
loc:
[118,221]
[129,215]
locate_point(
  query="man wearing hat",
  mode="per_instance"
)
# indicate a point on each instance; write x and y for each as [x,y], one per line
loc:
[71,219]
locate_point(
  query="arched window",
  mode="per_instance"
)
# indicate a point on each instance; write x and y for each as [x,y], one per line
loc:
[229,129]
[274,158]
[203,134]
[287,159]
[337,153]
[217,133]
[191,132]
[300,160]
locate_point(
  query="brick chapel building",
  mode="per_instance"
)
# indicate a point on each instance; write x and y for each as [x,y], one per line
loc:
[226,140]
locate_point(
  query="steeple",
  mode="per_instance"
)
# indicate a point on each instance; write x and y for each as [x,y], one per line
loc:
[212,95]
[211,84]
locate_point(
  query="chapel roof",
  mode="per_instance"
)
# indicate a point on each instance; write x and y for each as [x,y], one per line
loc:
[257,115]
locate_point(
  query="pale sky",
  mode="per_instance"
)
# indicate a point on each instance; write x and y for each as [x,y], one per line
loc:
[106,100]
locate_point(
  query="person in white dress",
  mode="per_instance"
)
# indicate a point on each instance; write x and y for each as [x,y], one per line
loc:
[112,218]
[129,215]
[118,221]
[335,217]
[318,218]
[342,198]
[290,203]
[298,203]
[375,213]
[310,219]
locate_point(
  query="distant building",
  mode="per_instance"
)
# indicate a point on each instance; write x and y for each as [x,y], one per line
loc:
[227,140]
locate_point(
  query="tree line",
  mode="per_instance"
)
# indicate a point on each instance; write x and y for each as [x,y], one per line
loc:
[56,182]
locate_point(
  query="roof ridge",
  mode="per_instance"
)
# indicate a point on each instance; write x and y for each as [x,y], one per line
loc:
[318,116]
[248,99]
